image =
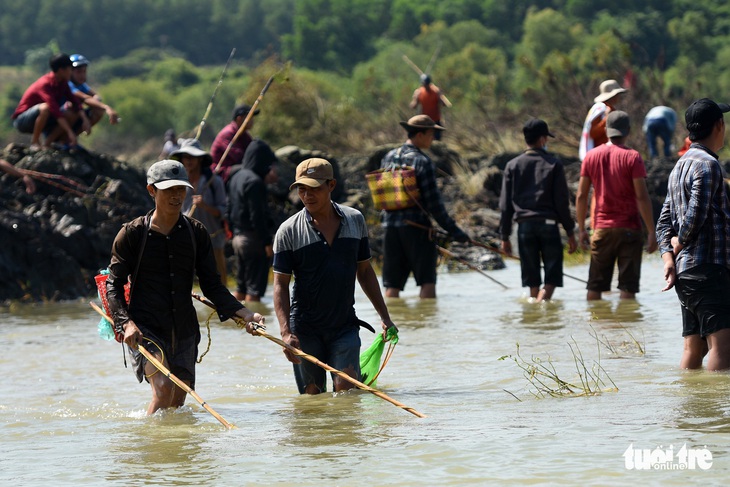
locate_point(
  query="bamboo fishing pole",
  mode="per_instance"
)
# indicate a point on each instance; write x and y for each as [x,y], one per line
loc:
[493,248]
[243,126]
[316,361]
[182,385]
[241,129]
[215,92]
[469,265]
[496,249]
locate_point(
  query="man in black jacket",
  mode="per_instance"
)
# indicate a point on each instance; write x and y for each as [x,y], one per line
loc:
[248,216]
[162,253]
[535,194]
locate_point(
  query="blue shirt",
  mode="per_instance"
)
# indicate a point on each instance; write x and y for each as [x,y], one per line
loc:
[661,112]
[323,298]
[83,88]
[696,210]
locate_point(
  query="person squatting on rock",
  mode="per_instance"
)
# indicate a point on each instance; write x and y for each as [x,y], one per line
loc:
[325,247]
[248,216]
[535,194]
[80,89]
[162,252]
[618,177]
[408,248]
[693,231]
[39,111]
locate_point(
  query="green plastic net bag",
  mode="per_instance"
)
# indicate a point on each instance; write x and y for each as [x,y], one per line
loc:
[370,357]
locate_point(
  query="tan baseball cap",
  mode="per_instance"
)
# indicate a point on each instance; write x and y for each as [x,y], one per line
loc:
[313,173]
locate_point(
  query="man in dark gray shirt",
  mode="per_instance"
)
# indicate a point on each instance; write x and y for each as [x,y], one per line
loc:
[535,195]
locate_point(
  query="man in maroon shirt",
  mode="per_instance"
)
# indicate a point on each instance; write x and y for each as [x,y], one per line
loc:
[39,110]
[223,139]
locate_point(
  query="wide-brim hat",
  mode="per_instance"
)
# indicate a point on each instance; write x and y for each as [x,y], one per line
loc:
[168,173]
[423,122]
[609,89]
[192,148]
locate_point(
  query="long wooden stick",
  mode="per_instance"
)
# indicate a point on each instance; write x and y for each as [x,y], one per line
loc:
[243,126]
[502,252]
[241,129]
[469,265]
[316,361]
[215,92]
[182,385]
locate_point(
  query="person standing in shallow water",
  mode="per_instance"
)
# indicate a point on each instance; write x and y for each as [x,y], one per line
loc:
[535,193]
[325,247]
[693,231]
[618,177]
[408,248]
[162,252]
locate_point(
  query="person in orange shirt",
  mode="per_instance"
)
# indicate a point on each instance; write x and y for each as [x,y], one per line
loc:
[429,96]
[594,127]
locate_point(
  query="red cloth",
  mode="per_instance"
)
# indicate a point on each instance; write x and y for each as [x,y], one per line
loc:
[612,170]
[47,89]
[235,155]
[430,101]
[685,147]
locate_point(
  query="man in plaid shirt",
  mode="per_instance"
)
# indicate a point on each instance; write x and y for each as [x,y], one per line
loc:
[694,237]
[407,247]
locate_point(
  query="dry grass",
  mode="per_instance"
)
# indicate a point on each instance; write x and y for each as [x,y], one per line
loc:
[545,380]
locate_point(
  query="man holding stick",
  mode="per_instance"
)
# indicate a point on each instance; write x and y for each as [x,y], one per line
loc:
[238,148]
[325,246]
[161,253]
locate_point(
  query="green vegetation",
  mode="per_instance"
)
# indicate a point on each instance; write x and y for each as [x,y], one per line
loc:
[499,62]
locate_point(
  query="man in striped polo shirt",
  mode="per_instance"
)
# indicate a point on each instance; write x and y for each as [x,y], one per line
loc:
[325,247]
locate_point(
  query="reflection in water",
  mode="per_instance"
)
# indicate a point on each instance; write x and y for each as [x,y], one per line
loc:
[542,316]
[413,312]
[619,311]
[705,407]
[165,445]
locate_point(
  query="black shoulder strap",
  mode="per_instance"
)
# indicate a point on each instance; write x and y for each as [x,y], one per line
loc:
[147,226]
[195,242]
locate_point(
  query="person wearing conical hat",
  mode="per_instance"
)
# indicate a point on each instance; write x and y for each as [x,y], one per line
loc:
[594,127]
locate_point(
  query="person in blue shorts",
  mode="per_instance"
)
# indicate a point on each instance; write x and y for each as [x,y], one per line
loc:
[325,247]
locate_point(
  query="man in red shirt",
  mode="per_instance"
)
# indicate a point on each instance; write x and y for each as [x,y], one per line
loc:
[238,149]
[430,98]
[618,177]
[39,110]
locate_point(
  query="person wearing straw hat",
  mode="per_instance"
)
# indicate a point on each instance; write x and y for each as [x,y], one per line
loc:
[325,247]
[618,177]
[161,253]
[693,231]
[208,197]
[535,194]
[224,138]
[594,127]
[407,246]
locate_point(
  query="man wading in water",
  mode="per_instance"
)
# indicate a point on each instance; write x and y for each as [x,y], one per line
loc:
[161,253]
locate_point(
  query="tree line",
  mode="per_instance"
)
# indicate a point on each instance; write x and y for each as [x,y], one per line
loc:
[499,62]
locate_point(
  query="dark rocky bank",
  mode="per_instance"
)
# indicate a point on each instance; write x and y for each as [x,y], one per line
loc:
[56,240]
